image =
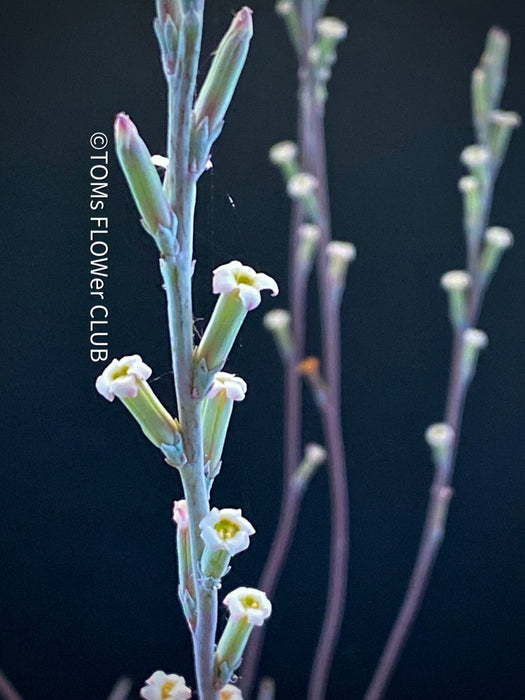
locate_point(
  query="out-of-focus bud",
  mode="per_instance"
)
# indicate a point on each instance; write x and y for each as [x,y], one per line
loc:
[497,240]
[456,283]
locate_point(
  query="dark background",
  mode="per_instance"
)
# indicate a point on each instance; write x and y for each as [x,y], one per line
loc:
[87,568]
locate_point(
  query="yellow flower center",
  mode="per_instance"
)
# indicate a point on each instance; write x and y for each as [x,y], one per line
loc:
[166,689]
[251,602]
[243,278]
[121,372]
[226,529]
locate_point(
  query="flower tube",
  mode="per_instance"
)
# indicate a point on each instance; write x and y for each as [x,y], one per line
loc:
[248,607]
[225,533]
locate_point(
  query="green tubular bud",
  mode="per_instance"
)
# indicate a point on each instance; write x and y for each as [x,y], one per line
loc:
[144,183]
[220,83]
[330,31]
[480,104]
[127,380]
[494,62]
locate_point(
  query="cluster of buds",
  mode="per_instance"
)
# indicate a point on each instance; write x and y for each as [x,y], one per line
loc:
[322,54]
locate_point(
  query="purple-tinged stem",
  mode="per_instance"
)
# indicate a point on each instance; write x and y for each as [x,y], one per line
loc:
[7,690]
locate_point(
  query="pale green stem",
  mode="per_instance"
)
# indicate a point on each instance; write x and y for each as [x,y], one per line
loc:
[177,275]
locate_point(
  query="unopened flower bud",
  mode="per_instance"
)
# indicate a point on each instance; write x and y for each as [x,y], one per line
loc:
[144,183]
[303,186]
[477,159]
[126,379]
[186,588]
[308,239]
[220,83]
[494,63]
[314,456]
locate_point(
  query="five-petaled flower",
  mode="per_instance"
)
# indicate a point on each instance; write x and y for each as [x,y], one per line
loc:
[234,276]
[248,604]
[121,377]
[226,529]
[162,686]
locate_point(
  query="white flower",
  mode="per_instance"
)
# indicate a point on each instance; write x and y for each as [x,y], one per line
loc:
[161,686]
[510,120]
[283,152]
[314,453]
[468,183]
[234,276]
[226,529]
[230,692]
[180,514]
[455,280]
[120,378]
[276,319]
[499,237]
[229,385]
[248,603]
[331,28]
[439,435]
[309,232]
[476,338]
[301,185]
[475,156]
[340,250]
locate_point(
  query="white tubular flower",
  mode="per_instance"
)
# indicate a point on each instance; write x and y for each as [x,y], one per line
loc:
[216,413]
[162,686]
[248,604]
[243,280]
[278,323]
[239,287]
[229,386]
[127,380]
[226,529]
[248,608]
[497,240]
[440,438]
[474,340]
[121,377]
[230,692]
[339,255]
[456,283]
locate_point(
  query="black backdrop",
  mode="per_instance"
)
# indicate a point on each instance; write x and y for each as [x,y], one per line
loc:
[87,572]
